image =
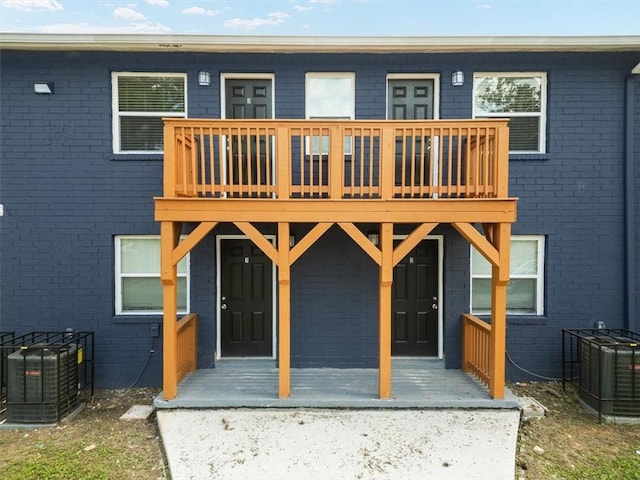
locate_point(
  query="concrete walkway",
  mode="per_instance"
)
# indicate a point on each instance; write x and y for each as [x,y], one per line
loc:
[328,444]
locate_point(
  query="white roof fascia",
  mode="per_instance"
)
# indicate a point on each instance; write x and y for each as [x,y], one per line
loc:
[297,44]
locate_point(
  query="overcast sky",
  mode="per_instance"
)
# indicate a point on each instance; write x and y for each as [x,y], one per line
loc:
[324,17]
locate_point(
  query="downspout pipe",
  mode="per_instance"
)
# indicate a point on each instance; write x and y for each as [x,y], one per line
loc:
[631,318]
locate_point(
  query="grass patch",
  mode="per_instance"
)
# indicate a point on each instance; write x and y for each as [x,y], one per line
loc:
[95,445]
[570,444]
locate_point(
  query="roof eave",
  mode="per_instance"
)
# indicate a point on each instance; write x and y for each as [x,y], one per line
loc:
[294,44]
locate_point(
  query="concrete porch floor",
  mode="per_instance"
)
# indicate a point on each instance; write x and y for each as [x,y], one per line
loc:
[416,383]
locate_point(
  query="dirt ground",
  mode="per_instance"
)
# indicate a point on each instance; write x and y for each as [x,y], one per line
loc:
[571,444]
[95,444]
[566,444]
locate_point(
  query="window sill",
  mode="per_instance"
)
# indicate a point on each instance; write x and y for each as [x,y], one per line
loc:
[137,319]
[518,319]
[529,156]
[137,157]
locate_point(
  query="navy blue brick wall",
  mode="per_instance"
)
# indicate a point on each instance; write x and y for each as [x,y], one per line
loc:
[66,196]
[334,307]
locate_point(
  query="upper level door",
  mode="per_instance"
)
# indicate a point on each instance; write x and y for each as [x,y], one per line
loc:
[412,99]
[248,98]
[248,162]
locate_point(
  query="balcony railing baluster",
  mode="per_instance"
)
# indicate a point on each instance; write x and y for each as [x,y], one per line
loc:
[337,160]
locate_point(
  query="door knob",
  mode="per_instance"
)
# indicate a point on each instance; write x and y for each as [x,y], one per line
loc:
[434,306]
[223,306]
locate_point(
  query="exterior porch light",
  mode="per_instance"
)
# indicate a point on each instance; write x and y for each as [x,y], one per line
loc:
[44,88]
[204,78]
[457,78]
[374,238]
[292,240]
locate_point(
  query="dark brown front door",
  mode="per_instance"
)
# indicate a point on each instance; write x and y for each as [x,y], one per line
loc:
[248,99]
[414,326]
[246,300]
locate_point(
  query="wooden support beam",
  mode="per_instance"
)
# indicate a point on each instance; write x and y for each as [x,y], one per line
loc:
[192,240]
[329,210]
[476,239]
[499,283]
[385,283]
[411,241]
[169,277]
[259,239]
[284,308]
[309,239]
[362,241]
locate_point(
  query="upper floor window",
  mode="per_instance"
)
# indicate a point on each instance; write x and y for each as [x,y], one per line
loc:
[137,272]
[140,100]
[329,96]
[525,293]
[521,97]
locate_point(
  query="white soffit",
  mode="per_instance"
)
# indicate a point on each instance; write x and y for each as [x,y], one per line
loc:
[296,44]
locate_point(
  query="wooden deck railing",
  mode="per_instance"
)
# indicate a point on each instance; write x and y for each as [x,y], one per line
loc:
[187,342]
[297,159]
[476,351]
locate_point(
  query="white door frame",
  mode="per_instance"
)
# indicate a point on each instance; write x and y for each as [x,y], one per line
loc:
[440,240]
[274,323]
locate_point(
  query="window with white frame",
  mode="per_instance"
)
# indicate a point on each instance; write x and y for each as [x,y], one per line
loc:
[329,96]
[525,293]
[137,272]
[140,101]
[521,97]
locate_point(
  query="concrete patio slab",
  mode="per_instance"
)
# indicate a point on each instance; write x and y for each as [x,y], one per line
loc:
[293,444]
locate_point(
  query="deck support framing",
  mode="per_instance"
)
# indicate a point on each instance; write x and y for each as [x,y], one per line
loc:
[493,243]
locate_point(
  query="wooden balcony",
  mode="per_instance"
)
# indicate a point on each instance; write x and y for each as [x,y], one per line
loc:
[418,173]
[339,170]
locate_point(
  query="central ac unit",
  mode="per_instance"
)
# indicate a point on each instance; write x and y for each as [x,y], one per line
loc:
[42,383]
[610,375]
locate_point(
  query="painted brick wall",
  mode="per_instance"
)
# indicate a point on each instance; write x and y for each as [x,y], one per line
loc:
[66,195]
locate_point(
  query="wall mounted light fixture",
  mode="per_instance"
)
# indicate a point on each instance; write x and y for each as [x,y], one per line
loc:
[204,79]
[44,88]
[292,240]
[457,78]
[374,238]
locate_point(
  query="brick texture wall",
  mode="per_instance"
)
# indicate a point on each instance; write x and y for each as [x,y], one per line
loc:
[66,196]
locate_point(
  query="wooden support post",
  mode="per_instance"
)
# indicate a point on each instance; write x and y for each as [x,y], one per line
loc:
[386,281]
[284,317]
[499,282]
[169,276]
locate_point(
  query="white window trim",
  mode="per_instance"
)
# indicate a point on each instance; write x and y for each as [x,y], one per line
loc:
[540,239]
[542,144]
[119,275]
[115,111]
[352,110]
[349,75]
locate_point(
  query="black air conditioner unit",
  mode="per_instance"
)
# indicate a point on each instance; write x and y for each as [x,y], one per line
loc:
[610,375]
[42,383]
